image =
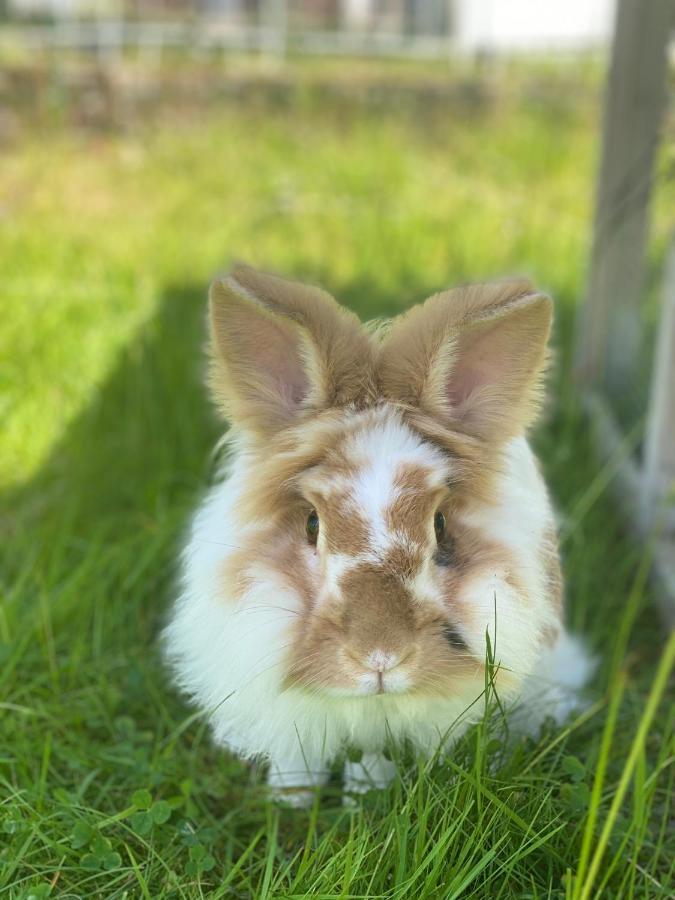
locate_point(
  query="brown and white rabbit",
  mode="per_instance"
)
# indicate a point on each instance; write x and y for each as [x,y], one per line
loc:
[381,509]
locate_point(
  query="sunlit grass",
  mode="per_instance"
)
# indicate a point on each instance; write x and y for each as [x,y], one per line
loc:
[108,783]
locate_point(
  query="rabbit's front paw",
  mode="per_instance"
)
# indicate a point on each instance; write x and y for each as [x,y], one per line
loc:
[295,782]
[373,772]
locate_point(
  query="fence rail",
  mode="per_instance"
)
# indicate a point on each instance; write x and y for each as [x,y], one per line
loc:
[106,36]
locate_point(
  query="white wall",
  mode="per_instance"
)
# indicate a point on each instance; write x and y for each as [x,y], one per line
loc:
[511,25]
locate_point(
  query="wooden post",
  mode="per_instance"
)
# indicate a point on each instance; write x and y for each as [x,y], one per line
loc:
[609,334]
[658,484]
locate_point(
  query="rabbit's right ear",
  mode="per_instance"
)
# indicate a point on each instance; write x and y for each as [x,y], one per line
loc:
[473,358]
[281,351]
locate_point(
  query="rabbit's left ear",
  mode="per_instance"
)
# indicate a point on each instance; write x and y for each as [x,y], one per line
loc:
[473,358]
[282,351]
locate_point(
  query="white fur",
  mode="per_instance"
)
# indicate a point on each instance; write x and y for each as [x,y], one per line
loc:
[229,655]
[554,690]
[379,452]
[517,521]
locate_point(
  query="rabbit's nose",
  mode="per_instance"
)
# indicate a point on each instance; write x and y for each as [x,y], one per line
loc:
[379,661]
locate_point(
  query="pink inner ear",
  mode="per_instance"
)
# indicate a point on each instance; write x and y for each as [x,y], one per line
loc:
[277,352]
[479,363]
[461,388]
[496,362]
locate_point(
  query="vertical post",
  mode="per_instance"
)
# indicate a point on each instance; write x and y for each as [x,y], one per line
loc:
[609,334]
[658,484]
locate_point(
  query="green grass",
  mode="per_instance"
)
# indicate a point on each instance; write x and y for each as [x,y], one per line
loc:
[109,786]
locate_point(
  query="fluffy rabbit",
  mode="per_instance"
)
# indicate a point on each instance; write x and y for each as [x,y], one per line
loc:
[381,509]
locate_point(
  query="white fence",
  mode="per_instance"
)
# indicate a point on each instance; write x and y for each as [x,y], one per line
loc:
[109,36]
[404,28]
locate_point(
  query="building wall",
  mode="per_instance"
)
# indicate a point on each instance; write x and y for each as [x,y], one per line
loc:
[511,25]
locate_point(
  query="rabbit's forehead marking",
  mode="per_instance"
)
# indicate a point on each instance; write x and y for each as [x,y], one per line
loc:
[377,492]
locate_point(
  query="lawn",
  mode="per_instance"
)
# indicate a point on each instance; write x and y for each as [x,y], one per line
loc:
[109,785]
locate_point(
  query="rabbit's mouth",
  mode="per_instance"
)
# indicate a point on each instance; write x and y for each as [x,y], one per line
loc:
[371,683]
[378,672]
[381,672]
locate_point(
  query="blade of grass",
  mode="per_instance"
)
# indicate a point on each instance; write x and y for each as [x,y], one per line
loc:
[596,793]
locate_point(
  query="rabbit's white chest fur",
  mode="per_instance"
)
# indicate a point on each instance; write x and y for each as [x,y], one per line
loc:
[381,516]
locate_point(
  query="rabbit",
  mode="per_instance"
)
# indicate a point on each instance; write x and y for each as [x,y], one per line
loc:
[380,511]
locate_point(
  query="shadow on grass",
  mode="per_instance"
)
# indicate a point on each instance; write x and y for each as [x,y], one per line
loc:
[141,440]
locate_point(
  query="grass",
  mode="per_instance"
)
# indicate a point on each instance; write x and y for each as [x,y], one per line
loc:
[109,786]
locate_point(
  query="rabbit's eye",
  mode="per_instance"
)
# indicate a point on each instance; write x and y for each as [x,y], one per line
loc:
[439,525]
[312,526]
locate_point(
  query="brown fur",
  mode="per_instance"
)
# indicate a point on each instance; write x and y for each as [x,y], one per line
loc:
[413,509]
[346,530]
[553,570]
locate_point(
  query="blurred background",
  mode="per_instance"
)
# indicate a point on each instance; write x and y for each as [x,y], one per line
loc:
[384,149]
